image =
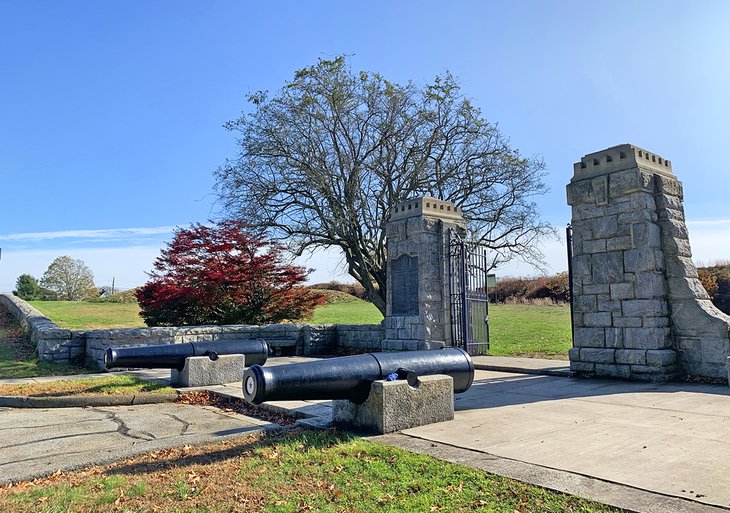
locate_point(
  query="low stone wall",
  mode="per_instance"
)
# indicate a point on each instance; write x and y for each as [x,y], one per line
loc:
[361,337]
[71,346]
[300,339]
[54,344]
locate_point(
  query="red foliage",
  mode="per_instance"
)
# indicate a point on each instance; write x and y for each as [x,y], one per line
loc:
[223,274]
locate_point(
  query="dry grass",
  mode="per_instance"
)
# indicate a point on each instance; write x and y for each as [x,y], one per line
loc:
[112,385]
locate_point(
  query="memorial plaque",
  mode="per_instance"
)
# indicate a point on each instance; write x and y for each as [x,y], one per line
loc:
[404,283]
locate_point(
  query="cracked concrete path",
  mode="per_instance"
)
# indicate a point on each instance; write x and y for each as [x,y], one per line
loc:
[35,442]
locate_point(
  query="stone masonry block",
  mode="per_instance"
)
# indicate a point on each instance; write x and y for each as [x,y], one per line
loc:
[594,246]
[581,265]
[622,290]
[675,247]
[584,367]
[614,337]
[644,307]
[597,355]
[647,338]
[606,304]
[395,405]
[686,288]
[601,288]
[619,243]
[589,337]
[628,322]
[600,319]
[393,345]
[681,267]
[631,356]
[608,267]
[655,322]
[605,227]
[661,357]
[585,303]
[638,260]
[614,371]
[201,371]
[650,285]
[675,227]
[646,235]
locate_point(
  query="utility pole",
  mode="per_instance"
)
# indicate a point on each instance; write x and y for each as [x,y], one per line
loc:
[113,285]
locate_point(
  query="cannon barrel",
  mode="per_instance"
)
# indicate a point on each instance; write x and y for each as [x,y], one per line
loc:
[350,377]
[172,356]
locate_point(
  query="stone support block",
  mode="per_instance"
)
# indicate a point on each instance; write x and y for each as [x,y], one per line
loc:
[395,405]
[200,371]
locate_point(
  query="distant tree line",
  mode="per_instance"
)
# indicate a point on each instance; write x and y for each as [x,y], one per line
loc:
[716,280]
[66,279]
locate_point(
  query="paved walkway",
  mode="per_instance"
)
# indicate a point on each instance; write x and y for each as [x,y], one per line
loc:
[644,447]
[37,442]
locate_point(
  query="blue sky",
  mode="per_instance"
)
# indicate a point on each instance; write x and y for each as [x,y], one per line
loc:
[111,112]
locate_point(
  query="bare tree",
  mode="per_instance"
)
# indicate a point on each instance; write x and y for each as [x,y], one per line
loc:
[322,162]
[70,279]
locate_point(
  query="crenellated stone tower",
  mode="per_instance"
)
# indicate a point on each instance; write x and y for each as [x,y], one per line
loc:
[640,311]
[417,302]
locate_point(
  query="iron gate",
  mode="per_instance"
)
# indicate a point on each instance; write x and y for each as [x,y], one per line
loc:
[469,297]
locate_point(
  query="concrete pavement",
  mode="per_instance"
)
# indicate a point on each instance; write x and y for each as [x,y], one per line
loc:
[644,447]
[36,442]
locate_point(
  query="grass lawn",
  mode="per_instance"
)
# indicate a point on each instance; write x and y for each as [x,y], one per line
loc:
[357,312]
[112,385]
[298,471]
[18,358]
[530,330]
[84,315]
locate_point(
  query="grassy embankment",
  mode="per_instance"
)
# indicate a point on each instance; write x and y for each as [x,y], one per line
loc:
[286,472]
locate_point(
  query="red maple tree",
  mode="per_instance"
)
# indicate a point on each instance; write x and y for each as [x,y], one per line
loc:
[224,274]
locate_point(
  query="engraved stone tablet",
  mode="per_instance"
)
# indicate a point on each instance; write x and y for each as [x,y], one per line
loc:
[405,285]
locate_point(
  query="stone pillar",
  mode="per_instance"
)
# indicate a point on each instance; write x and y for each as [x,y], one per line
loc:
[639,310]
[417,301]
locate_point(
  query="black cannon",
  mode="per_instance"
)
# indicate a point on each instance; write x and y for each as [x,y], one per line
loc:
[350,377]
[172,356]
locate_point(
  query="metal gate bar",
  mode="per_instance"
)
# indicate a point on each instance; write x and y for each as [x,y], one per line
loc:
[469,297]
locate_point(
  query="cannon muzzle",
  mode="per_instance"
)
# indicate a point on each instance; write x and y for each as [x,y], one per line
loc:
[350,377]
[172,356]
